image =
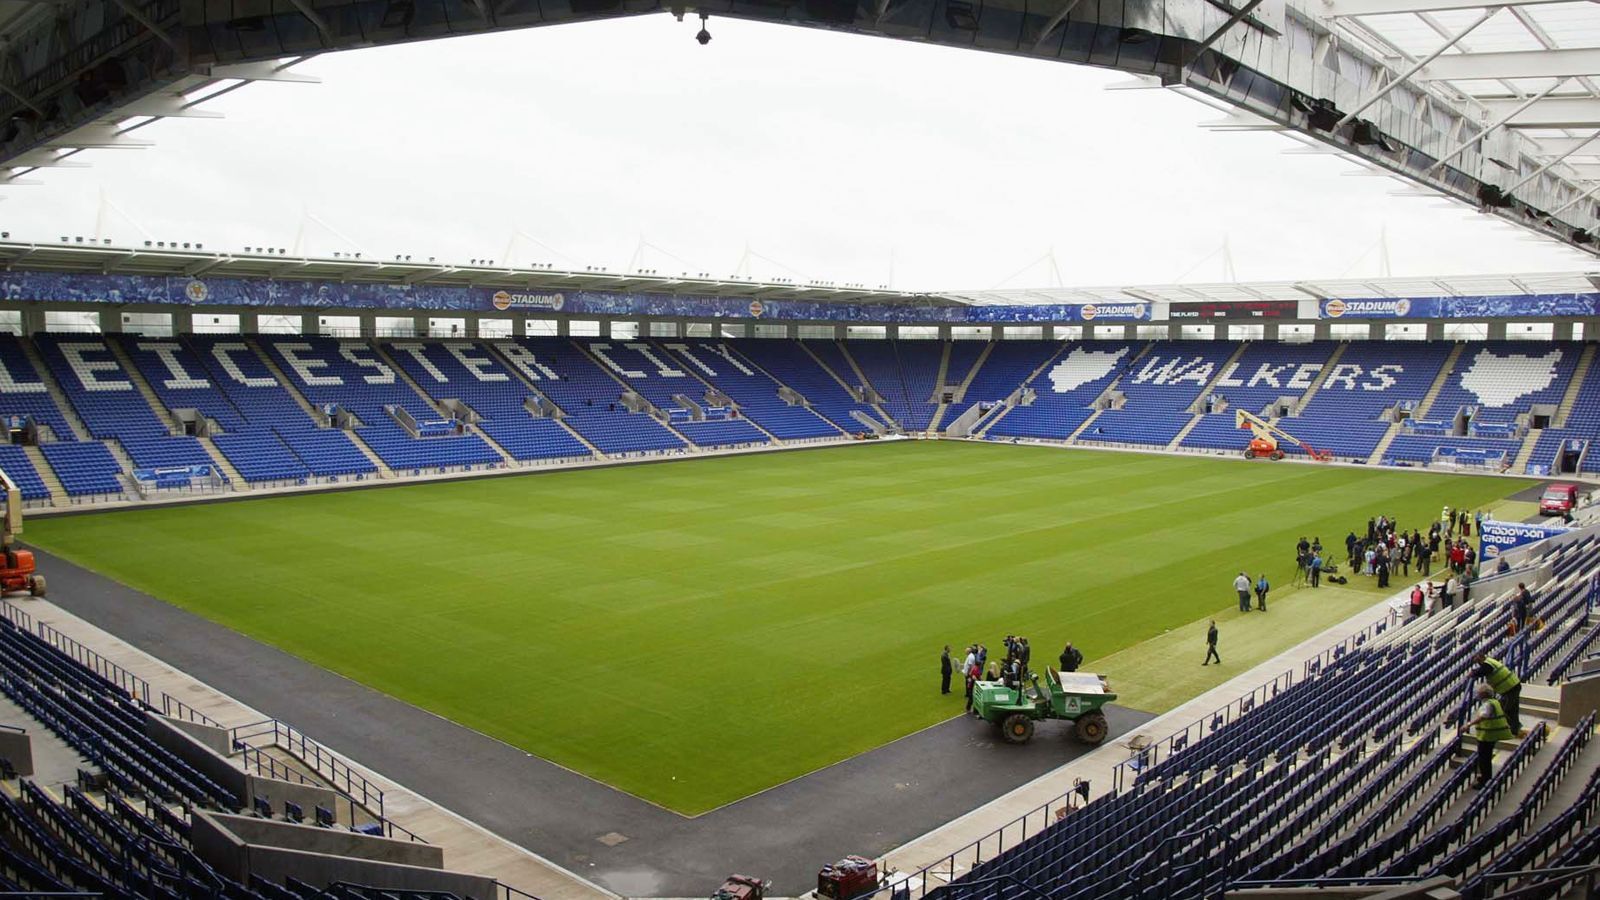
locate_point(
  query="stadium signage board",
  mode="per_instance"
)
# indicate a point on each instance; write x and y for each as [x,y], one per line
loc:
[1230,309]
[1496,307]
[1495,538]
[56,287]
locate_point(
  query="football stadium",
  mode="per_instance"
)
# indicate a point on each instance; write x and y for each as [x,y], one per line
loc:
[378,578]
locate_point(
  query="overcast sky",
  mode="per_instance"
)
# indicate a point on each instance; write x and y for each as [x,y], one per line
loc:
[828,156]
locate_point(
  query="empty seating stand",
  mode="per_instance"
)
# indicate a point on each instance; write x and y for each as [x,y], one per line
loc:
[727,366]
[591,399]
[1063,392]
[789,363]
[470,373]
[347,375]
[1160,387]
[1335,774]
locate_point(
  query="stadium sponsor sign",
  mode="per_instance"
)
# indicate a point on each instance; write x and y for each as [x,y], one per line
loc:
[1497,307]
[1366,309]
[504,300]
[1089,312]
[59,287]
[1495,538]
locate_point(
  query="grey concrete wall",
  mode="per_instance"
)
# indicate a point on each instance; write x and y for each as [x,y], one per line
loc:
[216,842]
[215,739]
[1579,697]
[308,796]
[334,841]
[17,747]
[223,771]
[176,736]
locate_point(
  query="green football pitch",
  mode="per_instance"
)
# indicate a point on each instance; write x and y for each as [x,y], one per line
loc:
[693,632]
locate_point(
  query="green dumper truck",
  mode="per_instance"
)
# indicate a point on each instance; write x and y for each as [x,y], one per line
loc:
[1074,696]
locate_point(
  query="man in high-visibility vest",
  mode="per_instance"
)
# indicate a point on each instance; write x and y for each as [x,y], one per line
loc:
[1504,683]
[1490,723]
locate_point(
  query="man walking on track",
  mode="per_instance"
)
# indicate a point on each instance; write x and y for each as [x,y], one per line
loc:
[1211,645]
[1242,585]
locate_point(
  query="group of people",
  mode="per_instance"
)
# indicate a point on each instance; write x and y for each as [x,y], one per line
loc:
[1309,563]
[1388,547]
[1245,587]
[976,666]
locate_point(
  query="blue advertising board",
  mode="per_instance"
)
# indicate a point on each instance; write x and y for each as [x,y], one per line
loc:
[1495,538]
[51,287]
[1498,307]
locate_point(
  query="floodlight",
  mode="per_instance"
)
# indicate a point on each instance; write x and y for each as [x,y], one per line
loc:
[1490,195]
[1367,134]
[397,14]
[959,14]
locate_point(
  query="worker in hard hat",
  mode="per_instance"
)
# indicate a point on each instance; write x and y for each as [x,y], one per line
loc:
[1491,726]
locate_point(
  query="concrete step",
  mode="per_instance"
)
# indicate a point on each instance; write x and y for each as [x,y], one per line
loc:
[54,761]
[1439,381]
[1376,458]
[79,430]
[1525,452]
[1327,369]
[289,386]
[58,493]
[136,378]
[1570,398]
[366,450]
[235,480]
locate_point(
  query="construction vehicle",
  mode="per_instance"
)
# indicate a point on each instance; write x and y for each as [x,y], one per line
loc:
[1265,435]
[1074,696]
[16,566]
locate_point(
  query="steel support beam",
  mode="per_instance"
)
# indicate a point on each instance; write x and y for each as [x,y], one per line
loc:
[1497,123]
[1334,9]
[1546,167]
[1553,112]
[1529,64]
[1416,67]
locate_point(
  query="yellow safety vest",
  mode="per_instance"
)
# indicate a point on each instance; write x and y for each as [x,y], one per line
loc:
[1500,678]
[1495,727]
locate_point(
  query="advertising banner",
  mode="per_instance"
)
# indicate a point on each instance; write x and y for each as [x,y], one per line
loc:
[250,292]
[1499,307]
[1495,538]
[1235,309]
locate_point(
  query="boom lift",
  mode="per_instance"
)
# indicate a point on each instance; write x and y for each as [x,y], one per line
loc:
[16,565]
[1264,442]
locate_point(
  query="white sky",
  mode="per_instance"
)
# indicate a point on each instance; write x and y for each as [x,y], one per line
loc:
[828,155]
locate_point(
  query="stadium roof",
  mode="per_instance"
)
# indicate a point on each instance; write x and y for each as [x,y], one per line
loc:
[104,258]
[1317,289]
[88,258]
[1532,67]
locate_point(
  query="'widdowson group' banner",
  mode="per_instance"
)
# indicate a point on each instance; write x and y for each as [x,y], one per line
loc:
[1495,538]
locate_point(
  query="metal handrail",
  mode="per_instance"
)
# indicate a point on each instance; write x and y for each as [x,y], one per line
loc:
[510,893]
[1561,875]
[996,879]
[184,711]
[137,687]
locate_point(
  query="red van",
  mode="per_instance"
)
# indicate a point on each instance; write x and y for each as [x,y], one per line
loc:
[1559,499]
